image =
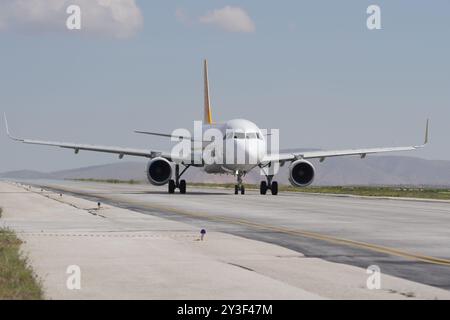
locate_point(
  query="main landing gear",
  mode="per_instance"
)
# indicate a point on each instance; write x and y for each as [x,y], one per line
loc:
[239,186]
[269,185]
[177,183]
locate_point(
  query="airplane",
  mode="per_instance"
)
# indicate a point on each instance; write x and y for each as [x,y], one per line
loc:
[242,135]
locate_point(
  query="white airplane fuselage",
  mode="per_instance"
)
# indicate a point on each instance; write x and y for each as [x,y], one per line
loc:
[243,147]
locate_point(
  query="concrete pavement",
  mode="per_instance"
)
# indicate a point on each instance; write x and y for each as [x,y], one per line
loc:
[126,254]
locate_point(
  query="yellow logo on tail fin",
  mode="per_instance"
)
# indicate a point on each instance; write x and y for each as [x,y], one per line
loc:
[207,115]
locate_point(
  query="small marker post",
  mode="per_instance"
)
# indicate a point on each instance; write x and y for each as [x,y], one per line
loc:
[202,234]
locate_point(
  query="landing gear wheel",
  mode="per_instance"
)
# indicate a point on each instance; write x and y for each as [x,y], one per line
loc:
[242,190]
[171,186]
[182,186]
[177,183]
[274,188]
[236,189]
[263,187]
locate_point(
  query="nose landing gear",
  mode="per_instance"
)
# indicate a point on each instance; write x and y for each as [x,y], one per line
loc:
[269,185]
[239,186]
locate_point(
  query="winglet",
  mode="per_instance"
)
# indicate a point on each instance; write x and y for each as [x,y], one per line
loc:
[426,140]
[7,129]
[6,124]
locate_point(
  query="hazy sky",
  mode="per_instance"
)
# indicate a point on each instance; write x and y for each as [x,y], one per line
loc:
[310,68]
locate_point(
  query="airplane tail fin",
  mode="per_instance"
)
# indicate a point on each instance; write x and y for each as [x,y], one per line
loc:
[207,115]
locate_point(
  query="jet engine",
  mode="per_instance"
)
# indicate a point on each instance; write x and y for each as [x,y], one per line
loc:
[159,171]
[301,173]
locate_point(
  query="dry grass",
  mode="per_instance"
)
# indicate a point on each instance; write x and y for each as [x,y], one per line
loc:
[113,181]
[17,280]
[404,192]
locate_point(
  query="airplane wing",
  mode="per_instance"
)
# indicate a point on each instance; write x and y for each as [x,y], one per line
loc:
[106,149]
[338,153]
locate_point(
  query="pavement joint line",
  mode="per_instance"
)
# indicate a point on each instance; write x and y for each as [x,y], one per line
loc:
[124,235]
[93,211]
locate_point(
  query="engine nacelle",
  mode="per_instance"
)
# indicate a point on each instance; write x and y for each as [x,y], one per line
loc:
[159,171]
[301,173]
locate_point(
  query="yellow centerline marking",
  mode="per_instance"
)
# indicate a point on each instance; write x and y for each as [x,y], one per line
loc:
[308,234]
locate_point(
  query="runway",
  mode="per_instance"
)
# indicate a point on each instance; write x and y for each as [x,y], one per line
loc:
[407,239]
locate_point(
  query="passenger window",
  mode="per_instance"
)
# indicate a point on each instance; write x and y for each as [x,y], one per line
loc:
[239,135]
[251,135]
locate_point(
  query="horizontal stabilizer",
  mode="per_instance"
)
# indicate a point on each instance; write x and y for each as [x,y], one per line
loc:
[167,135]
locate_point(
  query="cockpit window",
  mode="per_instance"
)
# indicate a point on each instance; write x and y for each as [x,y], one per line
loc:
[239,135]
[242,135]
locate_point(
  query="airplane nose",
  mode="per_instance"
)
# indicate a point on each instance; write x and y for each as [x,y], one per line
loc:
[248,153]
[252,156]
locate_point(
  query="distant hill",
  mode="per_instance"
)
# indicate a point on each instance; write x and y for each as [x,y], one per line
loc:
[121,170]
[24,174]
[375,170]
